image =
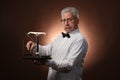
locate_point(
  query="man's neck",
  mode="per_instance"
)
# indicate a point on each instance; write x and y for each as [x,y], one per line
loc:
[72,30]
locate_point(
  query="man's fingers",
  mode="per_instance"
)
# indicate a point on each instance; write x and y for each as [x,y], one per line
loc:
[28,45]
[32,46]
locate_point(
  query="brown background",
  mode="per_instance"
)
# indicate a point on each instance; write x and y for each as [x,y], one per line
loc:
[99,22]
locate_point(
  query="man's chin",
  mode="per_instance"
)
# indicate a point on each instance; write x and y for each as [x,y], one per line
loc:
[68,30]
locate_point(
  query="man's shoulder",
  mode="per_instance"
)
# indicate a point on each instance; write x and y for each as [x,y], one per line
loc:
[78,35]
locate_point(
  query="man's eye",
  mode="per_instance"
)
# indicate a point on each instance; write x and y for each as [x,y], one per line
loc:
[69,19]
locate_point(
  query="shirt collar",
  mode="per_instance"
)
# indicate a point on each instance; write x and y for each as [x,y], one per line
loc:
[75,31]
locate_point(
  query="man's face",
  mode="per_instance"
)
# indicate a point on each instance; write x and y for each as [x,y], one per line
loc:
[69,22]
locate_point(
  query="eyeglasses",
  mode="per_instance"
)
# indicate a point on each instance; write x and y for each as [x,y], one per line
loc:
[68,20]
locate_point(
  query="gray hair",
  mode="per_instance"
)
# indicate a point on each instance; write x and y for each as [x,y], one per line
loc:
[73,10]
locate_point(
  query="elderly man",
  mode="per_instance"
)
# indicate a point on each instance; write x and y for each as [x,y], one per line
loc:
[67,51]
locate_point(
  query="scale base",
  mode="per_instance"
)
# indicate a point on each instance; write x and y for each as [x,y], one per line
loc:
[29,56]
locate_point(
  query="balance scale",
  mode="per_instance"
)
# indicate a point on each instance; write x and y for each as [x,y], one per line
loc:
[35,57]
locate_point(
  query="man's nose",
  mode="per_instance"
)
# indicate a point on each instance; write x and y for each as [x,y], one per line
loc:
[66,23]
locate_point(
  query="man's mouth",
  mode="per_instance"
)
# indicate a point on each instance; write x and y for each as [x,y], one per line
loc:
[67,27]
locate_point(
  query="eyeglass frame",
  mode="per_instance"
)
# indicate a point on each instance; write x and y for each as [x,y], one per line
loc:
[68,20]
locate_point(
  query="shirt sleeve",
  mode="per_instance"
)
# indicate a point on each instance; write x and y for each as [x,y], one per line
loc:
[76,55]
[45,50]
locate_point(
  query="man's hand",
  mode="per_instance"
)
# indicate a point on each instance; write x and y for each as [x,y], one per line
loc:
[30,45]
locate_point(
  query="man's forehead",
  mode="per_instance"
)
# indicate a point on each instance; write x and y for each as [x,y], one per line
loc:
[67,15]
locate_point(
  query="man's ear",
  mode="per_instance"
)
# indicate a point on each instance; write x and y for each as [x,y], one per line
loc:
[77,21]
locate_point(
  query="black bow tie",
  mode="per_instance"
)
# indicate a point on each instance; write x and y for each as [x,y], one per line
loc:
[65,35]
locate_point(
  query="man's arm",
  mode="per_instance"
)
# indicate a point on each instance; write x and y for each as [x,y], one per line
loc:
[43,50]
[77,53]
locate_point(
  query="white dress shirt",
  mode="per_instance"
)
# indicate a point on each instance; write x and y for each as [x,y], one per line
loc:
[67,56]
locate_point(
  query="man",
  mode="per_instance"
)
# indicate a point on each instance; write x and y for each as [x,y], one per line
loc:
[67,53]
